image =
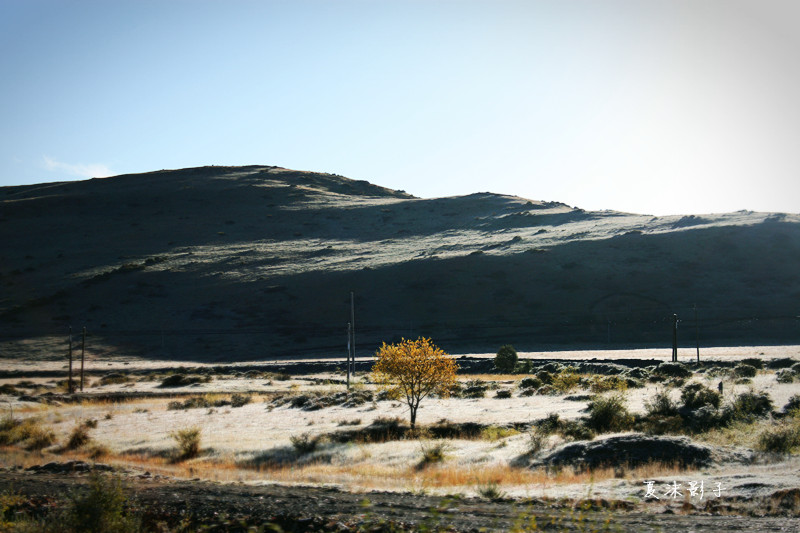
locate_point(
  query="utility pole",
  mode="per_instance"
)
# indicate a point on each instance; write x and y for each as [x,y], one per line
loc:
[353,330]
[69,381]
[697,331]
[349,333]
[674,338]
[83,351]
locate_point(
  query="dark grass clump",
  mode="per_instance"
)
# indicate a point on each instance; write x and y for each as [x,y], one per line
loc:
[609,413]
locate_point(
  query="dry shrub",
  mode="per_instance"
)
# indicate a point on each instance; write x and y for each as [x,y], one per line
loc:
[433,452]
[566,380]
[188,440]
[78,438]
[780,439]
[27,431]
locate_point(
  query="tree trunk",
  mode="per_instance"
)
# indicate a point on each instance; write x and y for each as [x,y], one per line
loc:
[413,416]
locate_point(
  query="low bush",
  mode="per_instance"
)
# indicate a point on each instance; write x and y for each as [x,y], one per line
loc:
[785,376]
[793,404]
[182,380]
[704,419]
[304,443]
[27,432]
[754,362]
[749,405]
[100,508]
[783,362]
[114,378]
[475,389]
[530,383]
[7,388]
[503,394]
[566,380]
[491,491]
[524,367]
[506,359]
[609,413]
[433,452]
[744,370]
[575,430]
[545,377]
[672,370]
[550,424]
[696,395]
[188,441]
[599,384]
[781,439]
[660,405]
[78,437]
[238,400]
[495,433]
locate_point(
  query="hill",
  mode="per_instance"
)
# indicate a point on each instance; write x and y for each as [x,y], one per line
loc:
[243,263]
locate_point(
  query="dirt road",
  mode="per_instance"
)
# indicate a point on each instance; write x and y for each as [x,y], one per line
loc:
[226,507]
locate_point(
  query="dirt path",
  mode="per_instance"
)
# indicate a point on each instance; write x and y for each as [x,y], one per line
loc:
[226,506]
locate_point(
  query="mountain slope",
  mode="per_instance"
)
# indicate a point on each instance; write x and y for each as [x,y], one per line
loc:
[224,263]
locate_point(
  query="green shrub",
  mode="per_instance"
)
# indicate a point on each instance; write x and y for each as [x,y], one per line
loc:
[793,404]
[545,377]
[785,376]
[696,395]
[672,370]
[550,424]
[503,394]
[506,359]
[238,400]
[101,508]
[744,370]
[749,405]
[600,384]
[188,440]
[575,430]
[754,362]
[305,443]
[181,380]
[537,440]
[660,405]
[114,378]
[783,362]
[523,367]
[566,380]
[530,383]
[705,418]
[609,413]
[475,389]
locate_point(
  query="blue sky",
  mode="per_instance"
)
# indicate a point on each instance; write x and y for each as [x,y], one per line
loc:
[660,107]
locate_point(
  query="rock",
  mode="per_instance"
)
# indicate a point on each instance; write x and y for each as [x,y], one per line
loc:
[631,450]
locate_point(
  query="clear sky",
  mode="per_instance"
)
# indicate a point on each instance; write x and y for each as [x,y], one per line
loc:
[658,107]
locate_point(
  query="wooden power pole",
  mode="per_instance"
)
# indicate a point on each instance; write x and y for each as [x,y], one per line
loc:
[674,338]
[353,330]
[697,332]
[349,335]
[69,381]
[83,352]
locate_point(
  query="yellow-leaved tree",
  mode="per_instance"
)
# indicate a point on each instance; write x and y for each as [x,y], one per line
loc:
[414,370]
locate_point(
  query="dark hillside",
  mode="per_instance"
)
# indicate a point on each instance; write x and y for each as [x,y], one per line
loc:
[227,263]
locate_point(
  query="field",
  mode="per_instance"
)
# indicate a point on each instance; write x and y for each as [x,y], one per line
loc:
[564,429]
